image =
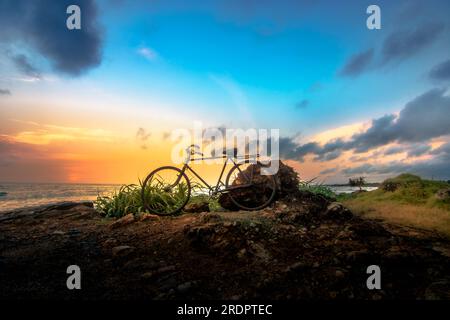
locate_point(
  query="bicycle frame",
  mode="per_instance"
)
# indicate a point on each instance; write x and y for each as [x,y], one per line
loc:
[216,189]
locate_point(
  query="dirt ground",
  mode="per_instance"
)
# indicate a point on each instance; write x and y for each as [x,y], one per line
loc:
[294,250]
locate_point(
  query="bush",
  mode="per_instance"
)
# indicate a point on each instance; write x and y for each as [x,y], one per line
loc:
[119,203]
[318,189]
[128,199]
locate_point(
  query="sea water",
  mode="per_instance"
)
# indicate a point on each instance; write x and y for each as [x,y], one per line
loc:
[20,195]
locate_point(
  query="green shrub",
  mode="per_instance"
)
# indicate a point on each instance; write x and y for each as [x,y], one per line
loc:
[128,199]
[119,203]
[318,189]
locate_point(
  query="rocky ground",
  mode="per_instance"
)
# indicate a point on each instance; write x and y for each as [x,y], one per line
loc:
[304,247]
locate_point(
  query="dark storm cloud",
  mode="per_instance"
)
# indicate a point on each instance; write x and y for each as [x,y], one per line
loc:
[441,71]
[403,44]
[41,25]
[357,64]
[423,118]
[302,104]
[5,92]
[24,65]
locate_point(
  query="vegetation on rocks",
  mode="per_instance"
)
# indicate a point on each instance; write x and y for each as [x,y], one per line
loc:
[405,199]
[128,199]
[318,189]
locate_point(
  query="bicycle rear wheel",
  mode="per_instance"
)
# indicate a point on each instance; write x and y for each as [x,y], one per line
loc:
[166,191]
[248,189]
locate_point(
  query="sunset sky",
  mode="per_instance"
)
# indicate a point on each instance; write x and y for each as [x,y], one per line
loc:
[96,105]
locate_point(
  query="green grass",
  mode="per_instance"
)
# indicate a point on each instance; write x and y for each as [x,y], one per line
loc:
[120,202]
[318,189]
[128,199]
[412,201]
[408,189]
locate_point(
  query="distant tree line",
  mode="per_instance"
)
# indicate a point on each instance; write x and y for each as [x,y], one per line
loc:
[357,182]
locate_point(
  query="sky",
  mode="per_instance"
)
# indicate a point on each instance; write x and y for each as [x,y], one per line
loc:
[96,105]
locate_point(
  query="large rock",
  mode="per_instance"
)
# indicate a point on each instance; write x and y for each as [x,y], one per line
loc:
[337,211]
[125,220]
[197,207]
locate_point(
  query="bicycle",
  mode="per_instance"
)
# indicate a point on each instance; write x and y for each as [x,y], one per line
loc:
[166,190]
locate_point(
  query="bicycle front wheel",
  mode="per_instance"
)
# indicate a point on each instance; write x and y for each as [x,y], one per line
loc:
[166,191]
[248,189]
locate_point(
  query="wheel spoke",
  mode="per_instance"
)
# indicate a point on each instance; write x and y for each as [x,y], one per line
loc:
[161,195]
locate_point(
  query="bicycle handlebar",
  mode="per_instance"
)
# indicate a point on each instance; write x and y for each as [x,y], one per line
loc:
[192,150]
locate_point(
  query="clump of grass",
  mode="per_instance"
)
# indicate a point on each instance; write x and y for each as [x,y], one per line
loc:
[213,202]
[128,199]
[121,202]
[317,189]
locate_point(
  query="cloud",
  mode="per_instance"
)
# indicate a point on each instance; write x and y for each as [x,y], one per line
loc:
[442,150]
[148,53]
[441,71]
[364,168]
[41,25]
[5,92]
[328,171]
[302,104]
[357,64]
[423,118]
[44,134]
[394,150]
[29,163]
[328,156]
[142,136]
[418,150]
[401,45]
[398,46]
[438,167]
[24,65]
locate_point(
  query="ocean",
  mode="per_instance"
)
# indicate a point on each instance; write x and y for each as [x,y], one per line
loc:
[20,195]
[348,189]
